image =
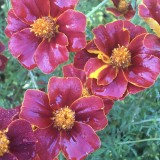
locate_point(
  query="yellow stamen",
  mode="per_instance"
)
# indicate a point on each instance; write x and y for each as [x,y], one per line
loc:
[121,57]
[85,92]
[44,27]
[64,118]
[123,6]
[4,144]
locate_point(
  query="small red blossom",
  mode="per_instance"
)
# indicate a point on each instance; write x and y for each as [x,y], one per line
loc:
[122,8]
[42,33]
[65,120]
[122,59]
[17,140]
[71,71]
[3,59]
[150,12]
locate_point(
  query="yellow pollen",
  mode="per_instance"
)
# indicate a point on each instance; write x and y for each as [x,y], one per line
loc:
[85,92]
[64,118]
[123,6]
[44,27]
[121,57]
[4,144]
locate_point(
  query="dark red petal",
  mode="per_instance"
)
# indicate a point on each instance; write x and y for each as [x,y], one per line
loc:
[130,14]
[83,56]
[133,29]
[24,48]
[36,109]
[93,67]
[51,54]
[3,62]
[22,140]
[89,110]
[114,11]
[79,142]
[152,42]
[28,11]
[14,24]
[110,36]
[107,75]
[71,71]
[108,104]
[114,90]
[73,24]
[2,47]
[6,117]
[144,70]
[132,89]
[60,6]
[116,2]
[63,91]
[48,145]
[8,156]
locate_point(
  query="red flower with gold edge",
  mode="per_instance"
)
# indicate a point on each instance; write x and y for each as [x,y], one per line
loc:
[122,8]
[42,33]
[3,59]
[150,12]
[120,60]
[17,140]
[71,71]
[65,120]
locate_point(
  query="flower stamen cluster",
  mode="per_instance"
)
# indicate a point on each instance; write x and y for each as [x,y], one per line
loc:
[121,57]
[4,144]
[44,27]
[123,6]
[64,118]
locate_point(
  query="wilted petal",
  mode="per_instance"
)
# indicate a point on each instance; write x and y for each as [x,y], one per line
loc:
[36,109]
[79,142]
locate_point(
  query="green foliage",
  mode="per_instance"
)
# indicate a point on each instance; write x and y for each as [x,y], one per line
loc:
[133,132]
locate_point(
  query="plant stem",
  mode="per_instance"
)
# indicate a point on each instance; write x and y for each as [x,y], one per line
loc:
[61,157]
[141,140]
[96,8]
[148,120]
[33,79]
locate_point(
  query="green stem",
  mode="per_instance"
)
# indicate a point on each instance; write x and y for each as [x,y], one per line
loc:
[141,140]
[33,79]
[96,8]
[148,120]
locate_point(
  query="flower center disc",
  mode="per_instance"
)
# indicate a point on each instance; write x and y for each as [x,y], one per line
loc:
[121,57]
[44,27]
[64,118]
[123,6]
[4,144]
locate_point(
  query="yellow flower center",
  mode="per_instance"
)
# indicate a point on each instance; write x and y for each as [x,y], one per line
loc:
[44,27]
[64,118]
[123,6]
[85,92]
[121,57]
[4,144]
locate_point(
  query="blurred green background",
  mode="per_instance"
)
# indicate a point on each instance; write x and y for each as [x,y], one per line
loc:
[133,132]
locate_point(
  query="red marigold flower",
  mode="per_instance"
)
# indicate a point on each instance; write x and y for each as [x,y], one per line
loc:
[66,121]
[124,61]
[122,8]
[150,12]
[3,59]
[41,33]
[71,71]
[17,140]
